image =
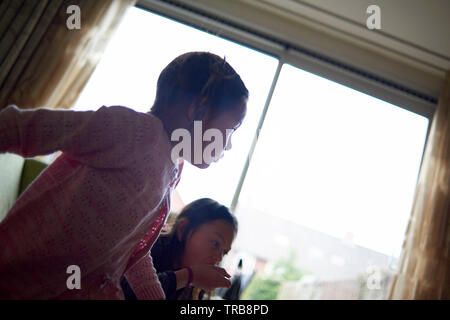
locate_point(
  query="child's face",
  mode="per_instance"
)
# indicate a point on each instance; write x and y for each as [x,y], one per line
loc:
[208,243]
[226,123]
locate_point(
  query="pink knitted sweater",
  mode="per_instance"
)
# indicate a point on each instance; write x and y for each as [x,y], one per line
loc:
[99,206]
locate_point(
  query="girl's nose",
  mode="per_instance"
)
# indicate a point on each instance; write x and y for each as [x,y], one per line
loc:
[217,259]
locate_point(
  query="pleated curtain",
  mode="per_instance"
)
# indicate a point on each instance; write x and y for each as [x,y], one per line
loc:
[43,62]
[425,260]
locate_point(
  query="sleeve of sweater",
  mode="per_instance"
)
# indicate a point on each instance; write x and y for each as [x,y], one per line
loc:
[144,281]
[168,281]
[106,138]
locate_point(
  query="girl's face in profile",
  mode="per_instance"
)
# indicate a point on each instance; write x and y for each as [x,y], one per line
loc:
[208,243]
[226,122]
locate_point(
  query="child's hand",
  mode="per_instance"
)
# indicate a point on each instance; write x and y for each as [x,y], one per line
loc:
[209,277]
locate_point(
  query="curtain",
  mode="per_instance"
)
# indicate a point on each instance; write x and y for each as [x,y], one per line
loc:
[43,62]
[425,261]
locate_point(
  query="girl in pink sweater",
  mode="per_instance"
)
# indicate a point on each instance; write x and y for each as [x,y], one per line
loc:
[99,207]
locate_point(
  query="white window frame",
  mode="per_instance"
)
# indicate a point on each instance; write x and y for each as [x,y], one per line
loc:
[409,95]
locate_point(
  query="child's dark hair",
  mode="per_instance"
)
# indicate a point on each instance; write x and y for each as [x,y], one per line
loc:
[199,77]
[197,213]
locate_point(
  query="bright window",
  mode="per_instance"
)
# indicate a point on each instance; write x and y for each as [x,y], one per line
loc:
[331,181]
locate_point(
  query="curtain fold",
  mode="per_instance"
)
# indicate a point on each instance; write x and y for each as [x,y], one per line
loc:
[42,62]
[424,271]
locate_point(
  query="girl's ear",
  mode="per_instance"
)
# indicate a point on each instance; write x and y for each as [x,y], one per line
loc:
[181,228]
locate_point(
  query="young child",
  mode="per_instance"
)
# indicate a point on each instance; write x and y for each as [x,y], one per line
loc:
[99,207]
[190,253]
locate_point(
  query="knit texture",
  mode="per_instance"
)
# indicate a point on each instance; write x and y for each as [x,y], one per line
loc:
[99,206]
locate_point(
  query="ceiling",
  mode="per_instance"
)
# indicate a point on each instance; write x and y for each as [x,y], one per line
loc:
[417,28]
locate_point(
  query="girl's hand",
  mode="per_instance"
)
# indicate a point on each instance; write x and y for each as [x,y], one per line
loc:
[209,277]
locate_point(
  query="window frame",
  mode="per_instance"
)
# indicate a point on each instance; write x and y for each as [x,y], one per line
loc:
[319,63]
[308,60]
